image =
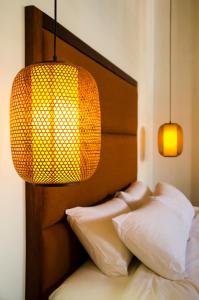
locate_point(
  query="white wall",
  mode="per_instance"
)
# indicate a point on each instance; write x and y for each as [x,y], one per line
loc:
[121,30]
[145,77]
[174,170]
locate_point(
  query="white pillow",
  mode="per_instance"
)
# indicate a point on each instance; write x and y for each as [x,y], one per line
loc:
[93,226]
[157,235]
[176,200]
[135,195]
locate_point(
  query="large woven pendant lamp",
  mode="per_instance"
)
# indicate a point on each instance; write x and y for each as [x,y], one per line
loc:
[55,122]
[170,135]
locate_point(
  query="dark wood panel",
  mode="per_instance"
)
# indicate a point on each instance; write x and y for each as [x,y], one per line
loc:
[33,35]
[33,241]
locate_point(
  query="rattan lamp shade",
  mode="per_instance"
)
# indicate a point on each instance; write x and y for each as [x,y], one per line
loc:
[170,139]
[55,124]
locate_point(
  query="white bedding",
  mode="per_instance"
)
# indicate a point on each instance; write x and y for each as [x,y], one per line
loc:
[88,283]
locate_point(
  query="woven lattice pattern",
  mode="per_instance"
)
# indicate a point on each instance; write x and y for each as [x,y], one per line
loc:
[55,124]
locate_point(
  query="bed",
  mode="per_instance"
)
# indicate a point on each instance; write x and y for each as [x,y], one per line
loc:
[141,283]
[57,266]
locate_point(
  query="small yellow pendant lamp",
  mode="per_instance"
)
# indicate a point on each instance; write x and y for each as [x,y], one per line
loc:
[170,139]
[55,123]
[170,135]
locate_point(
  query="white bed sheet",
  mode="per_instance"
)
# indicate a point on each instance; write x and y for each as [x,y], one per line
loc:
[88,283]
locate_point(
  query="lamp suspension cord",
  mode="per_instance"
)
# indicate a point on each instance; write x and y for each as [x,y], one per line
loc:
[170,63]
[55,30]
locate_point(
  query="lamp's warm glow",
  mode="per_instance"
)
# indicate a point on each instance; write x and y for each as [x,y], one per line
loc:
[170,139]
[55,124]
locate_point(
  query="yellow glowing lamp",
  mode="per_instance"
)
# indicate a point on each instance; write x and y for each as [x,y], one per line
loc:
[55,123]
[170,139]
[170,135]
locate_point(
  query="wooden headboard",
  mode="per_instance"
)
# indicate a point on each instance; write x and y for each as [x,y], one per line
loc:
[52,250]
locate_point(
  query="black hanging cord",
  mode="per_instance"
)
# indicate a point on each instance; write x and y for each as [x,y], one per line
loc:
[170,62]
[55,30]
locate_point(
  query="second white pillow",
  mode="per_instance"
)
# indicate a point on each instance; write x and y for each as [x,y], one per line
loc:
[157,235]
[135,195]
[176,200]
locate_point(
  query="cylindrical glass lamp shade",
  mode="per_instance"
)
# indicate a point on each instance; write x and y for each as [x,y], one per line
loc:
[170,140]
[55,124]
